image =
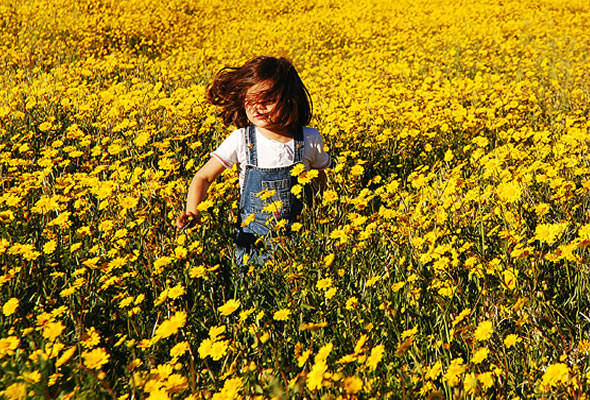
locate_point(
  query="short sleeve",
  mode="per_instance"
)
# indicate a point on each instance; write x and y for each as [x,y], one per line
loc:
[315,153]
[227,152]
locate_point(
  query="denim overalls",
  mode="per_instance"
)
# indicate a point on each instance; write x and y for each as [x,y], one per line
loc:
[256,180]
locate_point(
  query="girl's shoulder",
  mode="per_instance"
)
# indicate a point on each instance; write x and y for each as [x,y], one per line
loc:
[311,133]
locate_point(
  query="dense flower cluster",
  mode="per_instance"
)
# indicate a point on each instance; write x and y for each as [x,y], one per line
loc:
[448,256]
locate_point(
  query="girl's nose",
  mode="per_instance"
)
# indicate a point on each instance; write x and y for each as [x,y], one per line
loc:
[263,108]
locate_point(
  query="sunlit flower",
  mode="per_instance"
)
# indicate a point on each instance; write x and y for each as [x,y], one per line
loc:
[353,384]
[229,307]
[316,375]
[509,192]
[170,326]
[454,372]
[555,374]
[511,340]
[95,359]
[52,330]
[15,391]
[65,357]
[549,233]
[8,345]
[10,306]
[91,338]
[375,356]
[282,315]
[176,291]
[480,355]
[179,349]
[434,371]
[324,283]
[231,389]
[483,331]
[49,247]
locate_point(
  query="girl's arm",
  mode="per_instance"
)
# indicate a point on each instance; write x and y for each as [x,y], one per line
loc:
[197,192]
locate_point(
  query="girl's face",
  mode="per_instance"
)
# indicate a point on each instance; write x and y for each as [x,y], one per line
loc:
[258,111]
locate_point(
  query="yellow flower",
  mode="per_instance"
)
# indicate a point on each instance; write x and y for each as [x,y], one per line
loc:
[65,357]
[10,306]
[218,349]
[329,196]
[296,227]
[49,247]
[45,126]
[351,303]
[245,314]
[353,384]
[248,220]
[176,383]
[375,356]
[32,377]
[316,375]
[324,352]
[434,371]
[297,169]
[301,359]
[52,330]
[95,359]
[555,374]
[266,194]
[329,259]
[453,374]
[549,233]
[179,349]
[91,338]
[357,170]
[483,331]
[8,345]
[161,262]
[296,190]
[170,326]
[205,348]
[511,340]
[307,176]
[229,307]
[231,389]
[274,207]
[16,391]
[480,355]
[282,315]
[486,379]
[197,272]
[324,283]
[176,291]
[470,383]
[509,192]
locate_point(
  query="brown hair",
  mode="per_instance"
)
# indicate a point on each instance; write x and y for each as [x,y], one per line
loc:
[231,84]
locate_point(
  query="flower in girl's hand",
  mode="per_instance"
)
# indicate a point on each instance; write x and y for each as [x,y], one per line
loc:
[274,207]
[297,169]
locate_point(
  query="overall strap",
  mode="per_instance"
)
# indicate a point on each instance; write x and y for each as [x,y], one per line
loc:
[298,145]
[251,145]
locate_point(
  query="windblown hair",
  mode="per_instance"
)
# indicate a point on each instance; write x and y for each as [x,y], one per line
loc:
[231,84]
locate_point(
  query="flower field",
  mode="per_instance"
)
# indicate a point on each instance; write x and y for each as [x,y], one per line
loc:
[448,258]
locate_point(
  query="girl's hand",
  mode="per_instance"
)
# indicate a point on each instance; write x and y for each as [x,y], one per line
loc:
[187,220]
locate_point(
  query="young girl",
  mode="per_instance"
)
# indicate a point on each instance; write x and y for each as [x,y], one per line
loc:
[267,101]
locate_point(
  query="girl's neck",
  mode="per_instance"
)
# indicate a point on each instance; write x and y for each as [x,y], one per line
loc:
[277,136]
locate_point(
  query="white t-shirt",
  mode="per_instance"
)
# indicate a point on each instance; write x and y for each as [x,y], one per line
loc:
[272,154]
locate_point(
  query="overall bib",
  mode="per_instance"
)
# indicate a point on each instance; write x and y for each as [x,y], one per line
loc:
[250,238]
